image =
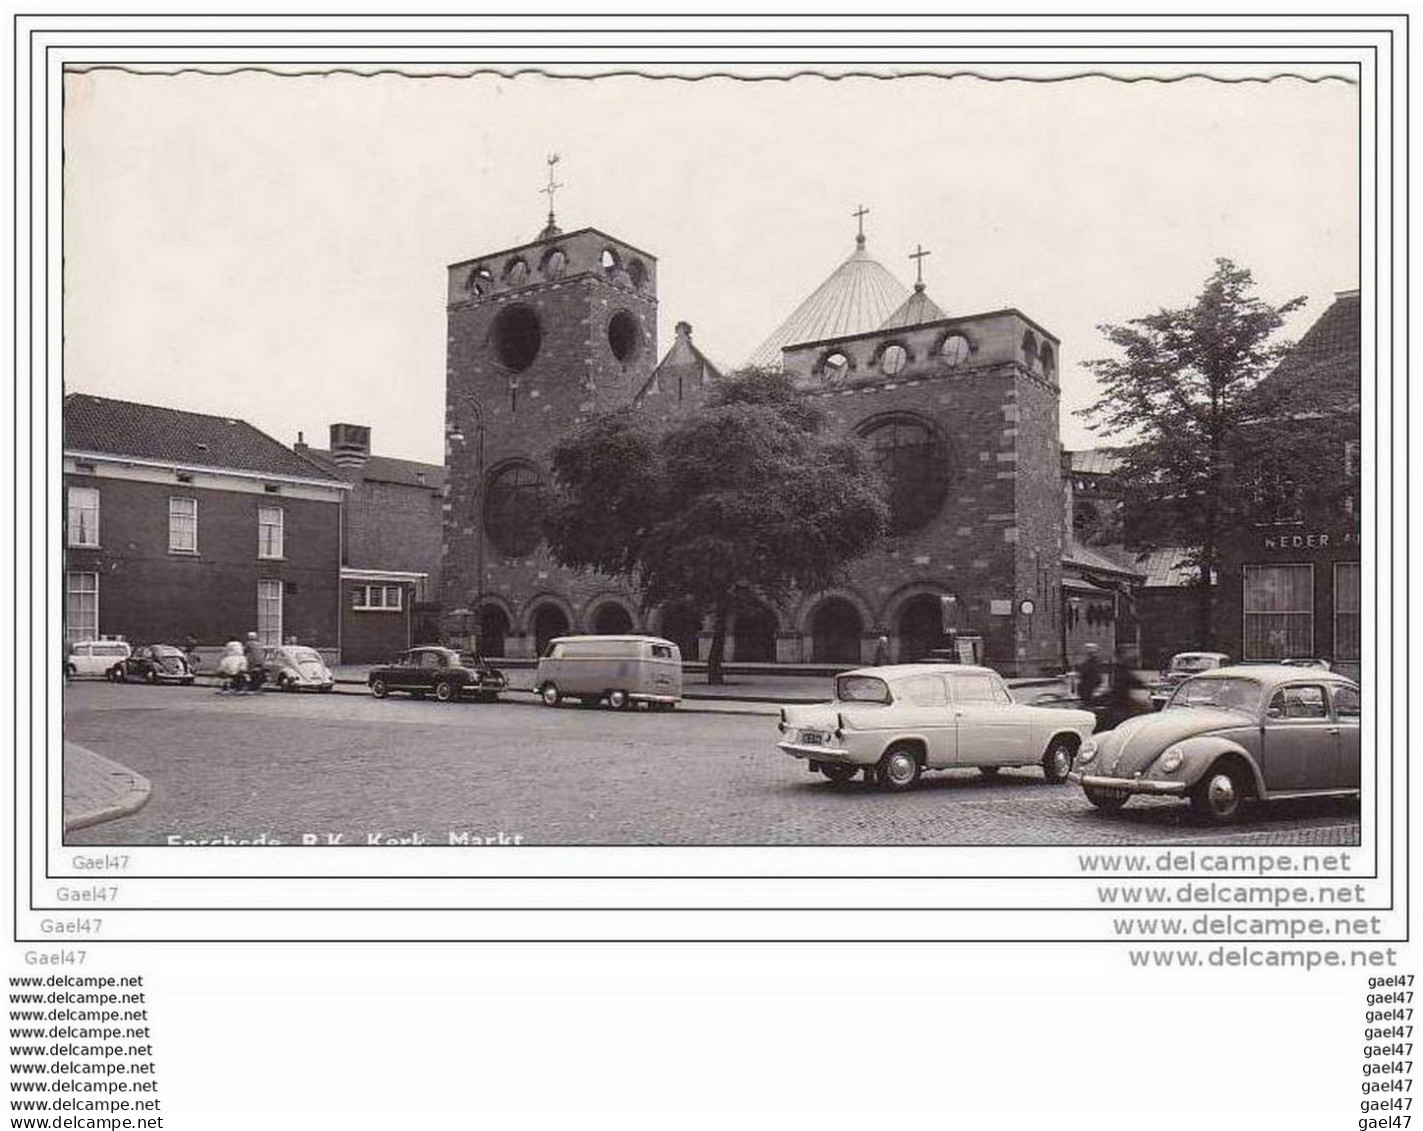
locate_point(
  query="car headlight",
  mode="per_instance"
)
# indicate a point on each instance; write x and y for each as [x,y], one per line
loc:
[1087,752]
[1172,759]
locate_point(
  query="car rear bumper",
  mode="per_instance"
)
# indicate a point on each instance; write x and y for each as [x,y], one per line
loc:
[649,697]
[1128,785]
[817,753]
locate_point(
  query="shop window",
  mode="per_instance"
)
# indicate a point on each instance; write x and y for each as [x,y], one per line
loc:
[1279,612]
[1347,608]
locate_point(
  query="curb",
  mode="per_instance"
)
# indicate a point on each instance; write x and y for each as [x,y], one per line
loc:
[108,789]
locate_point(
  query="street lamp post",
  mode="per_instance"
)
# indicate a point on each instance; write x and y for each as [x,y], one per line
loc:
[455,434]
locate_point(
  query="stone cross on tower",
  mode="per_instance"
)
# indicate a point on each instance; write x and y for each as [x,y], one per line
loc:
[859,214]
[918,255]
[551,229]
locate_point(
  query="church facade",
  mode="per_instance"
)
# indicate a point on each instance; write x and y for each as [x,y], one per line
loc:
[960,412]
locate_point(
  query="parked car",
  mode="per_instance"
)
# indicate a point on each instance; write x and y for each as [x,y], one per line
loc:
[96,657]
[157,663]
[624,670]
[1182,667]
[893,723]
[442,672]
[1231,735]
[294,667]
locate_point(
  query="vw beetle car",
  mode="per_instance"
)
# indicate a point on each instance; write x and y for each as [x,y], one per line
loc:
[1182,667]
[1231,735]
[157,663]
[892,723]
[442,672]
[294,667]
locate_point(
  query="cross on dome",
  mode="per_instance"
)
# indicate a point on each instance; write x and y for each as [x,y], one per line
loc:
[859,214]
[918,255]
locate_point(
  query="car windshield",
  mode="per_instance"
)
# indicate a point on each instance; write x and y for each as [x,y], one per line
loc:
[861,689]
[1193,663]
[1230,694]
[161,650]
[471,659]
[304,655]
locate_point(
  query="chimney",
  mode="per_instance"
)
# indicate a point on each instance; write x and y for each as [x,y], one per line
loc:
[350,444]
[300,444]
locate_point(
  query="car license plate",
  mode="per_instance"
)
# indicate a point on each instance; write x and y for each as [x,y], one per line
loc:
[812,737]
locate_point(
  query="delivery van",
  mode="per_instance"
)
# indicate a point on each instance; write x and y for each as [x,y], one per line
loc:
[624,670]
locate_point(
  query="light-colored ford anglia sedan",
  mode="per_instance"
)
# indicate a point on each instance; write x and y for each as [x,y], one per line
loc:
[1231,735]
[892,723]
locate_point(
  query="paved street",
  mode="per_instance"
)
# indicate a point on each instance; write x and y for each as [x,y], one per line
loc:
[278,765]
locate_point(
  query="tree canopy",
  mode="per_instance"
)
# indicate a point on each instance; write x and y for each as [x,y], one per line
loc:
[739,504]
[1204,440]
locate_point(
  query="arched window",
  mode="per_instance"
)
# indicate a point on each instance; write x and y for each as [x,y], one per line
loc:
[609,260]
[1030,349]
[514,505]
[555,264]
[894,358]
[480,281]
[955,349]
[637,273]
[516,272]
[1046,359]
[914,461]
[834,368]
[624,335]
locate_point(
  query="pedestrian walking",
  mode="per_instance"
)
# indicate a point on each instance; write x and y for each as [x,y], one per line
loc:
[882,650]
[232,668]
[1120,703]
[256,663]
[1089,675]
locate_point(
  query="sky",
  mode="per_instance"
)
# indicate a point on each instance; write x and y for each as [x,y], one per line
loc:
[273,247]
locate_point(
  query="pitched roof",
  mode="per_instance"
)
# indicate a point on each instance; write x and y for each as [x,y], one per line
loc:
[169,435]
[682,360]
[1327,356]
[1163,569]
[916,309]
[382,469]
[1085,558]
[858,296]
[1094,461]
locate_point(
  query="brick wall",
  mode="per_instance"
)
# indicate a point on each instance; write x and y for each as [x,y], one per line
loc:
[150,595]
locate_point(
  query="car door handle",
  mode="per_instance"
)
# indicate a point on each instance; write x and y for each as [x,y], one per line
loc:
[1333,730]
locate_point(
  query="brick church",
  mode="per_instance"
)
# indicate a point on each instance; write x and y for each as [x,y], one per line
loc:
[961,412]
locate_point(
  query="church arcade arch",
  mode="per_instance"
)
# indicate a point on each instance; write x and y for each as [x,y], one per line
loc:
[609,615]
[834,623]
[492,627]
[682,626]
[753,635]
[549,615]
[916,616]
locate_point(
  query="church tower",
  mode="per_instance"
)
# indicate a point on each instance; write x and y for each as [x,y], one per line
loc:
[540,337]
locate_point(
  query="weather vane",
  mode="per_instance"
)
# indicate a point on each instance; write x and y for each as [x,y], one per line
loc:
[918,255]
[552,187]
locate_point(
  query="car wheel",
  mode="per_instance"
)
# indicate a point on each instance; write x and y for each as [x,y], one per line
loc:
[150,676]
[899,768]
[1110,799]
[989,771]
[618,700]
[379,689]
[1220,794]
[837,773]
[1058,760]
[70,671]
[444,691]
[550,695]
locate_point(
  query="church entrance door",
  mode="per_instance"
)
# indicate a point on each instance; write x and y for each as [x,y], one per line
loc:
[549,622]
[835,632]
[920,628]
[493,629]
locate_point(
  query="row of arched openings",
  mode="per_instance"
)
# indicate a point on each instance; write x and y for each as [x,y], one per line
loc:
[836,629]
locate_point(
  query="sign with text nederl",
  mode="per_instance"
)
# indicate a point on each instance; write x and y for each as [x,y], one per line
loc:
[1311,540]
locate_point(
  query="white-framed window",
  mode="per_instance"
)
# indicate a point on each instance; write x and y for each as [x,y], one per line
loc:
[81,606]
[269,611]
[378,598]
[83,516]
[182,524]
[1347,611]
[1279,612]
[270,532]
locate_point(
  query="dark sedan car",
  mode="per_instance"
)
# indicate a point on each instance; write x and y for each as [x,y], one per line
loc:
[442,672]
[157,663]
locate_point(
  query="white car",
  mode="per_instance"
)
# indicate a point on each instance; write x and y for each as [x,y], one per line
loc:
[97,657]
[293,667]
[892,723]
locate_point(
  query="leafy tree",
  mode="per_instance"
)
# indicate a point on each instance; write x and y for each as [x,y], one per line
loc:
[1185,397]
[741,503]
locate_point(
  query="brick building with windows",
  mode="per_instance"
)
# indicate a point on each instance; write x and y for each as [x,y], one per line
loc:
[179,524]
[960,411]
[1290,580]
[390,545]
